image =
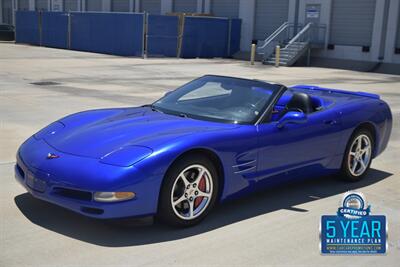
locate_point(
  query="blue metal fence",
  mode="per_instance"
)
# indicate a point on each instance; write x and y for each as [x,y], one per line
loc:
[55,29]
[234,45]
[205,37]
[123,33]
[27,27]
[109,33]
[162,35]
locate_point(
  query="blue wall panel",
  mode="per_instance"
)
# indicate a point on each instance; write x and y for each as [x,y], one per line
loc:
[236,25]
[108,33]
[27,27]
[162,36]
[55,29]
[205,37]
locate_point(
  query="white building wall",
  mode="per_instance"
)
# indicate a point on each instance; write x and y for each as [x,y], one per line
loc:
[1,11]
[392,30]
[343,51]
[166,6]
[246,14]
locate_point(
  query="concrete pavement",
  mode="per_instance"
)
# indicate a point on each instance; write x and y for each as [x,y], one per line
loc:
[274,227]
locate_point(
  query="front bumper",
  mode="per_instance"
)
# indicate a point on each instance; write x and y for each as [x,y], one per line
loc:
[71,181]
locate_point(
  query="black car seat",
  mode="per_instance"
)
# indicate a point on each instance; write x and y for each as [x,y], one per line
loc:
[300,102]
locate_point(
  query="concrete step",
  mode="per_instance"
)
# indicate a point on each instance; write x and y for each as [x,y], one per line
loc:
[281,59]
[268,62]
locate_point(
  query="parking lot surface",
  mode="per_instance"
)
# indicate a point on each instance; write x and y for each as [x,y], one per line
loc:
[276,226]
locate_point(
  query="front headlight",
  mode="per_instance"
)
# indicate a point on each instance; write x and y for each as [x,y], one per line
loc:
[50,129]
[113,196]
[126,156]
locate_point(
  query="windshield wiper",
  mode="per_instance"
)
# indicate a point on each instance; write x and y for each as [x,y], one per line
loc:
[153,108]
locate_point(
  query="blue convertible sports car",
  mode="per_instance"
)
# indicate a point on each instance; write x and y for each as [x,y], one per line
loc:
[212,139]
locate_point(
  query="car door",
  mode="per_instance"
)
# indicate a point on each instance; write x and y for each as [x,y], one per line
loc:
[298,146]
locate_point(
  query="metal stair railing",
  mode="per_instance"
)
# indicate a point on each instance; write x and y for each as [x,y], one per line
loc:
[273,35]
[298,45]
[280,35]
[301,36]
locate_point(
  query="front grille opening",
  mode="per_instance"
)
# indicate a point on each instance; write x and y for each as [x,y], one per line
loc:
[20,171]
[92,210]
[71,193]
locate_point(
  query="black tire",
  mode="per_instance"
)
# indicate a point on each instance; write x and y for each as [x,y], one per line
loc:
[166,212]
[346,173]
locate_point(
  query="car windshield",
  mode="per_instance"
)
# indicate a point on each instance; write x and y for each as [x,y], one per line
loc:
[216,98]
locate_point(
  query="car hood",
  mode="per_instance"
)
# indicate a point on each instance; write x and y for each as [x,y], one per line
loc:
[99,132]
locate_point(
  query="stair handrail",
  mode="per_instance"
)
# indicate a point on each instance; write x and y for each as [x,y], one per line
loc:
[299,34]
[274,34]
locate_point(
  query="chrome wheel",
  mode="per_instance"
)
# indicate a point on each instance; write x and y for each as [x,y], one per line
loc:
[191,192]
[359,155]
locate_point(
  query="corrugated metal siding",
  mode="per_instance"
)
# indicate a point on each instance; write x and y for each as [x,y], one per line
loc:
[41,5]
[270,14]
[120,5]
[150,6]
[398,31]
[94,5]
[225,8]
[70,5]
[7,11]
[352,22]
[188,6]
[23,5]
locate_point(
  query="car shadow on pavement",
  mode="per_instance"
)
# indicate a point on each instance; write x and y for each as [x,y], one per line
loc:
[142,231]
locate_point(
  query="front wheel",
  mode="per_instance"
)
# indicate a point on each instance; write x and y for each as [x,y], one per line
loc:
[358,156]
[189,191]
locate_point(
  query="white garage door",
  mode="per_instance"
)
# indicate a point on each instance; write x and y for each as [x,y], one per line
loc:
[7,11]
[70,5]
[270,14]
[23,5]
[41,5]
[150,6]
[94,5]
[186,6]
[398,31]
[352,22]
[225,8]
[120,5]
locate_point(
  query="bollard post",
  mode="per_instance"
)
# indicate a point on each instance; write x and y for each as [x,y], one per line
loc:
[69,30]
[253,54]
[277,55]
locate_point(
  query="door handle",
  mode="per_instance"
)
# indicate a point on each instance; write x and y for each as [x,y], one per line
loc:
[330,122]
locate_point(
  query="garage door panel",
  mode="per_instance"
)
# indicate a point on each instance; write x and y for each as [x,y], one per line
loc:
[23,5]
[225,8]
[70,5]
[41,5]
[94,5]
[270,14]
[352,22]
[186,6]
[150,6]
[120,5]
[398,30]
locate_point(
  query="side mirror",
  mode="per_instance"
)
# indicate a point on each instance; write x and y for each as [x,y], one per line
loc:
[292,117]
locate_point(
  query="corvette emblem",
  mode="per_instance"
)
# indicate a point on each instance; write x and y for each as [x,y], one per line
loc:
[52,156]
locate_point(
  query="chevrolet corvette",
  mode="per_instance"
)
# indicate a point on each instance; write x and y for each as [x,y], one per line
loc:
[213,139]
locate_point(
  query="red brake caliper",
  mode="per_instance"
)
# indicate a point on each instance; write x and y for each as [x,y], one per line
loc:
[201,187]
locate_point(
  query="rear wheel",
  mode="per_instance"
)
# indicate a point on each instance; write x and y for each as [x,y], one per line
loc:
[358,156]
[189,191]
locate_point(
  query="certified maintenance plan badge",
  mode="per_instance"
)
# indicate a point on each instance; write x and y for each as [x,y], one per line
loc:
[353,230]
